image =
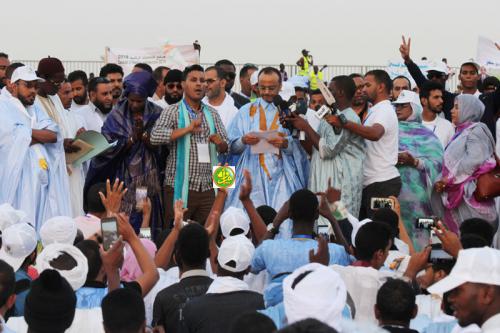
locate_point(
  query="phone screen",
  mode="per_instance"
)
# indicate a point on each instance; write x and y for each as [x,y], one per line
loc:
[145,233]
[377,203]
[109,232]
[323,229]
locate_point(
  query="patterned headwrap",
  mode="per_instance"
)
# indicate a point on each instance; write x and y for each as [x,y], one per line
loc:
[140,83]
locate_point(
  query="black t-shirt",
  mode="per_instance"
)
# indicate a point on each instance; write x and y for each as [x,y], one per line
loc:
[217,312]
[239,100]
[171,299]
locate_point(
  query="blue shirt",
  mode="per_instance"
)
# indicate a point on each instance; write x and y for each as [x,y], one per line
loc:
[21,297]
[286,255]
[281,257]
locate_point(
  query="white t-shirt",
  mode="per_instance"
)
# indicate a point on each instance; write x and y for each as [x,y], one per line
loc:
[382,155]
[442,128]
[226,110]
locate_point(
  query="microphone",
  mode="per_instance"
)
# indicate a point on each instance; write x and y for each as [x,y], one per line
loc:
[283,109]
[330,103]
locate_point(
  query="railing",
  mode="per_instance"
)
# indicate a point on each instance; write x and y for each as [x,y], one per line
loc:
[329,72]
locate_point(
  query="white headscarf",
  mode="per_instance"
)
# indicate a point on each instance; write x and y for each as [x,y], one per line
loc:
[59,229]
[76,277]
[321,295]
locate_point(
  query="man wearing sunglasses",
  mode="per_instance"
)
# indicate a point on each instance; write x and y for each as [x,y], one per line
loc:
[437,73]
[173,87]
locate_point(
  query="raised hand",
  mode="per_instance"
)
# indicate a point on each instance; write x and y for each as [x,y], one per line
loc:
[124,227]
[179,211]
[498,46]
[322,256]
[113,198]
[449,240]
[404,49]
[246,187]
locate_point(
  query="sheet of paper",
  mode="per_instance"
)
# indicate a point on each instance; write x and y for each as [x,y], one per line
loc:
[84,149]
[203,153]
[263,146]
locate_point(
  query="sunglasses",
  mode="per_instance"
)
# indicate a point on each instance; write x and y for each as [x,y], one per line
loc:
[431,75]
[230,75]
[174,85]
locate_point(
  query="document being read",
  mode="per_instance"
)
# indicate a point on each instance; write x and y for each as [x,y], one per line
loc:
[263,146]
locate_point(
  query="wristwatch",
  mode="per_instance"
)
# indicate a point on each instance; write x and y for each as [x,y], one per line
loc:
[272,229]
[343,119]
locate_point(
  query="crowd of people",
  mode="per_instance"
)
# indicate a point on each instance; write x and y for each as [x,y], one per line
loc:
[361,204]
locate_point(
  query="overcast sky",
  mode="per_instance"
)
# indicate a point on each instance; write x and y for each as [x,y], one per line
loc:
[353,32]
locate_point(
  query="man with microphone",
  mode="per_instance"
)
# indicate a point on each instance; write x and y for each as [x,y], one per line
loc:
[281,167]
[338,157]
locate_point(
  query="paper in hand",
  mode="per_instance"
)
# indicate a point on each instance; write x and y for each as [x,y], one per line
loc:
[263,146]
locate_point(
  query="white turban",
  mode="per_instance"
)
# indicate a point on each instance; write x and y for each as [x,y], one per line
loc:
[59,229]
[10,216]
[76,276]
[321,295]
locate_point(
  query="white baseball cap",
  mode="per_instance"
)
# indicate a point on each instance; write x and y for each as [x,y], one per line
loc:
[25,73]
[477,265]
[438,66]
[18,242]
[254,78]
[10,216]
[234,218]
[237,249]
[58,229]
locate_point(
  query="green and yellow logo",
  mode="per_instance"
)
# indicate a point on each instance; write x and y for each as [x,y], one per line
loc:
[224,176]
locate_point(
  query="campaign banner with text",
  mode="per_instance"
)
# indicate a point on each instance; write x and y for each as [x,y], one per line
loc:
[172,56]
[488,56]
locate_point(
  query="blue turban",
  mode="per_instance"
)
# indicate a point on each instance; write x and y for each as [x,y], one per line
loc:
[140,83]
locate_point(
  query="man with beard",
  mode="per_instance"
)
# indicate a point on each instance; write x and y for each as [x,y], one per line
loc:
[173,86]
[359,102]
[114,73]
[276,174]
[72,124]
[217,97]
[100,104]
[473,288]
[245,94]
[79,82]
[159,75]
[431,98]
[4,63]
[33,164]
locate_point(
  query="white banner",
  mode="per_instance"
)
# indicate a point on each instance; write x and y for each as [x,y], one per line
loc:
[397,68]
[172,56]
[488,55]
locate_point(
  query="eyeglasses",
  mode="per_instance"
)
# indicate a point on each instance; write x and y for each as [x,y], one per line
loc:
[210,81]
[174,85]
